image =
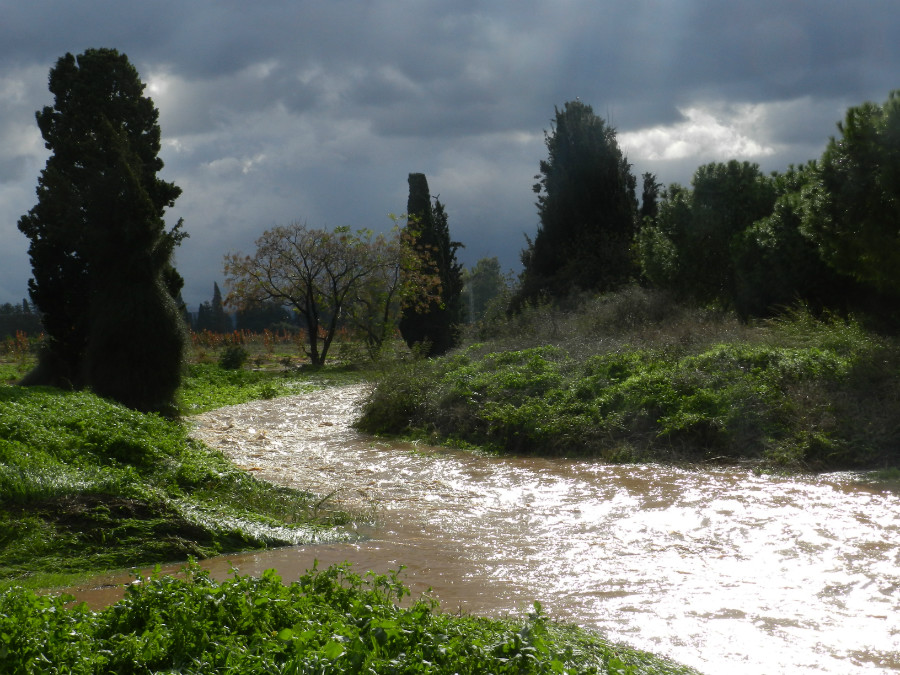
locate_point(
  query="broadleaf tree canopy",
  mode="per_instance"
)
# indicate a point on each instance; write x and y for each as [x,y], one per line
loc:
[852,204]
[332,279]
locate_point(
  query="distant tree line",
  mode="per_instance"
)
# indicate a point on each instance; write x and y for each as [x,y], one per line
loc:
[211,315]
[21,317]
[826,234]
[104,285]
[486,290]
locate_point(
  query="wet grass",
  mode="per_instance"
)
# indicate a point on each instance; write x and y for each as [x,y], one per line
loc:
[328,621]
[206,385]
[14,369]
[635,377]
[87,485]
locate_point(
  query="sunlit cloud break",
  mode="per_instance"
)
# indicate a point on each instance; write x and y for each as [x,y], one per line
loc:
[714,133]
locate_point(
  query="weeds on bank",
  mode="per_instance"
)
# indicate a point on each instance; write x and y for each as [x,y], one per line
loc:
[637,378]
[207,386]
[88,485]
[328,621]
[14,368]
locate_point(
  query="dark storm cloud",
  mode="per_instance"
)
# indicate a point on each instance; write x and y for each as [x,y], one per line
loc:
[273,111]
[40,31]
[773,50]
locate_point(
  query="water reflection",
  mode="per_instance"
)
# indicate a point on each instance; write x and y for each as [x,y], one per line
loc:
[722,569]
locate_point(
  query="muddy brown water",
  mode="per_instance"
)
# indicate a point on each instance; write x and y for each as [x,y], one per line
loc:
[724,570]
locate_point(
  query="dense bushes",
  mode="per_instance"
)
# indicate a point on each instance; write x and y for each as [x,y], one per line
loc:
[329,621]
[647,384]
[233,357]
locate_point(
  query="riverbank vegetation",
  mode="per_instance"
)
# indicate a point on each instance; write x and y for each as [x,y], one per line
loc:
[582,362]
[87,485]
[328,621]
[635,376]
[748,317]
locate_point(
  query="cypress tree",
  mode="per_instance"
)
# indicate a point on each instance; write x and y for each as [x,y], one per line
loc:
[220,320]
[204,317]
[587,207]
[100,252]
[649,198]
[434,326]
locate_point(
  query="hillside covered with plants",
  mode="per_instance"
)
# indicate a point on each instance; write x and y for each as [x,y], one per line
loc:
[87,485]
[634,376]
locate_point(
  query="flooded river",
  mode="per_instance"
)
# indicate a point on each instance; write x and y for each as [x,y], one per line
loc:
[721,569]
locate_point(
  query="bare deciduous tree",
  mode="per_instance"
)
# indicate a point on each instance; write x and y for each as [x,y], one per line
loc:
[332,278]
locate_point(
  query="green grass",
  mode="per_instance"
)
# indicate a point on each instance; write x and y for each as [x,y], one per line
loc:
[14,369]
[328,621]
[797,393]
[206,386]
[87,485]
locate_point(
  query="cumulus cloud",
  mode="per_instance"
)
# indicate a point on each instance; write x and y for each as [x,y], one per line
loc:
[703,134]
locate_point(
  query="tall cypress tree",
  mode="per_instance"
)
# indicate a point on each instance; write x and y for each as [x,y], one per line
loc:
[434,326]
[649,198]
[100,251]
[220,320]
[587,207]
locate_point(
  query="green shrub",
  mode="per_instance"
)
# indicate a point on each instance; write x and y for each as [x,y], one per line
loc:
[233,357]
[799,391]
[328,621]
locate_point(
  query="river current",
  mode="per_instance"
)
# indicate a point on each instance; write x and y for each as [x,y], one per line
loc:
[719,568]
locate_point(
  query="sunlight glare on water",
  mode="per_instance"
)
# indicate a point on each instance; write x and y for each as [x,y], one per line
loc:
[721,569]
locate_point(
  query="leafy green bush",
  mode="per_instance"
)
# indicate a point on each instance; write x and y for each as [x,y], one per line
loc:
[233,357]
[783,392]
[329,621]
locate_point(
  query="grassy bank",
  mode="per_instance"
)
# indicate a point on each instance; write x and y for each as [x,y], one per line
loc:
[206,386]
[635,377]
[329,621]
[87,485]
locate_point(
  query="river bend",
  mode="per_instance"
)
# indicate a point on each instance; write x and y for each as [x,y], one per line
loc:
[719,568]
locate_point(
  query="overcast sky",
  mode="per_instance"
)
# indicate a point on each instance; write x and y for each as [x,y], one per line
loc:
[276,110]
